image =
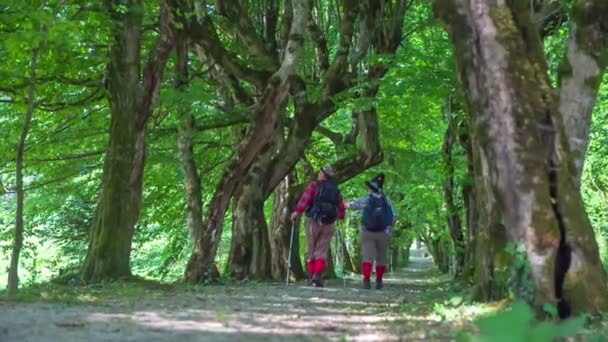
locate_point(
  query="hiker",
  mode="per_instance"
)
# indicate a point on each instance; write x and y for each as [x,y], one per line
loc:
[376,229]
[323,204]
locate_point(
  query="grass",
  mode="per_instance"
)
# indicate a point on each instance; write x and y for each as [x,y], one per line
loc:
[91,294]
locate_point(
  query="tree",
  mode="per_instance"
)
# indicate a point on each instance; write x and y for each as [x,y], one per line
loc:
[13,274]
[521,134]
[453,212]
[132,97]
[264,119]
[381,33]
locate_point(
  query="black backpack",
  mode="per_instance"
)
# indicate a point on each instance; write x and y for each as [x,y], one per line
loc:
[377,215]
[324,207]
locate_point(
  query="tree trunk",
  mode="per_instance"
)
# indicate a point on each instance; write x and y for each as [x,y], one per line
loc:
[263,124]
[356,253]
[131,103]
[185,143]
[342,251]
[580,75]
[286,196]
[330,269]
[13,273]
[440,250]
[468,196]
[453,212]
[522,135]
[250,248]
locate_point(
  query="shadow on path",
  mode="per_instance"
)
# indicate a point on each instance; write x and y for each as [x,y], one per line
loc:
[340,311]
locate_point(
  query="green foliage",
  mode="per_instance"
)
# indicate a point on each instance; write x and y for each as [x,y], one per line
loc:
[517,324]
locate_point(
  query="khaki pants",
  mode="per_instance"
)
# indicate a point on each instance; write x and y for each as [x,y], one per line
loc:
[374,246]
[318,237]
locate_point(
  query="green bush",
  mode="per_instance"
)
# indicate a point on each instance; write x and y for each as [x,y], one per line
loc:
[518,325]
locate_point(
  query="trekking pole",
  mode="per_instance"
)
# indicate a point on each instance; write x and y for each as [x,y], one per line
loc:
[293,225]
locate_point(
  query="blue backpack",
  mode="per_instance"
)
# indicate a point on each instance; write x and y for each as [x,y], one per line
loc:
[377,214]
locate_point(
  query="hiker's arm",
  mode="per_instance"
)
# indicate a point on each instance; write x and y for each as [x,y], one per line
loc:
[357,204]
[304,201]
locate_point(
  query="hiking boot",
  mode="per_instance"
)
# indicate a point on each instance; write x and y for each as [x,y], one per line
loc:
[379,284]
[309,282]
[367,284]
[316,280]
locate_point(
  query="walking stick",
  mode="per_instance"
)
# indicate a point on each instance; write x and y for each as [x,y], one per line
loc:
[293,225]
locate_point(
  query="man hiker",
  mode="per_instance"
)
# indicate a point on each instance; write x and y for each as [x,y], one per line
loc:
[376,224]
[323,204]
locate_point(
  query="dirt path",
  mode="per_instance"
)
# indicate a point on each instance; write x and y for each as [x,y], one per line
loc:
[341,311]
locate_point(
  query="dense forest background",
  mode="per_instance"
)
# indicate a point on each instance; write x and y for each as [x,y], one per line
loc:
[191,129]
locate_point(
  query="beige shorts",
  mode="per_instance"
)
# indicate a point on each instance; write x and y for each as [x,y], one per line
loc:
[318,237]
[374,246]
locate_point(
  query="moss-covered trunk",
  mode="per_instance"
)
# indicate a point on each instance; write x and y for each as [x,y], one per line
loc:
[515,116]
[131,103]
[343,254]
[440,251]
[250,247]
[453,212]
[285,197]
[185,144]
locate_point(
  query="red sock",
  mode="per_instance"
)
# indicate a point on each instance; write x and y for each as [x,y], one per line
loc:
[319,265]
[310,264]
[380,271]
[366,269]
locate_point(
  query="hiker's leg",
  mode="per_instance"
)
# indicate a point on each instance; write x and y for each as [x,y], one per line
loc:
[325,233]
[382,241]
[367,257]
[310,246]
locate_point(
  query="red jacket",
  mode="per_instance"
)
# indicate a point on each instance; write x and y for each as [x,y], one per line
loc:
[308,196]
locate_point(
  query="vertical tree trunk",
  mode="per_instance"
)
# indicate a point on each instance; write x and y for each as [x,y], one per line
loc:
[192,181]
[468,196]
[580,75]
[521,132]
[440,250]
[342,251]
[356,252]
[453,212]
[250,248]
[330,270]
[286,196]
[131,102]
[13,273]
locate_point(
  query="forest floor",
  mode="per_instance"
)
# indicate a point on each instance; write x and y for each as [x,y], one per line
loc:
[408,308]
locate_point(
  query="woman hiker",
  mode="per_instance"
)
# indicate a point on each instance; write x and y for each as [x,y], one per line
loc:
[323,204]
[376,224]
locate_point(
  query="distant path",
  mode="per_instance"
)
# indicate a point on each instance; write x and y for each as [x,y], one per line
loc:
[341,311]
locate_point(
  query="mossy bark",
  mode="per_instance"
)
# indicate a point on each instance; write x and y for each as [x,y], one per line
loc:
[132,99]
[250,253]
[285,198]
[453,212]
[515,114]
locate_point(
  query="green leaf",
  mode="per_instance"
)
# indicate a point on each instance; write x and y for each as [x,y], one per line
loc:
[550,309]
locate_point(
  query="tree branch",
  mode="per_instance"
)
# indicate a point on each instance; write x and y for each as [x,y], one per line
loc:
[242,27]
[155,67]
